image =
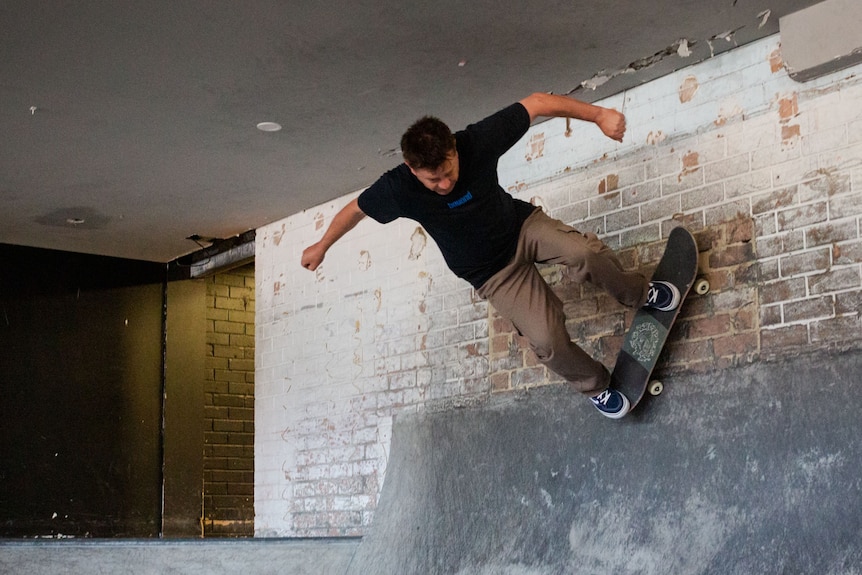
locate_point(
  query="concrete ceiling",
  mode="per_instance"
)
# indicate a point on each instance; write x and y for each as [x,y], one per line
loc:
[128,127]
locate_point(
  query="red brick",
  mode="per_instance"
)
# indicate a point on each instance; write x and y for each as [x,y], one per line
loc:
[740,230]
[808,309]
[580,308]
[744,319]
[848,303]
[802,216]
[835,280]
[720,279]
[780,244]
[529,376]
[844,329]
[732,256]
[777,199]
[500,343]
[708,327]
[740,344]
[770,315]
[831,233]
[687,351]
[784,338]
[500,381]
[782,291]
[847,253]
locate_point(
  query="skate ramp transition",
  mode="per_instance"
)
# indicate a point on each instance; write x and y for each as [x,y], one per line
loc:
[751,470]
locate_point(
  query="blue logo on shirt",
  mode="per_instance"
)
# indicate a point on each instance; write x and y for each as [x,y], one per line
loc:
[461,201]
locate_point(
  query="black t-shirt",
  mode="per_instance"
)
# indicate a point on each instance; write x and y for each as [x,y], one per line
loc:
[476,226]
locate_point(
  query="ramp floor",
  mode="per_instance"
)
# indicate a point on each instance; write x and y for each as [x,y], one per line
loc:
[752,470]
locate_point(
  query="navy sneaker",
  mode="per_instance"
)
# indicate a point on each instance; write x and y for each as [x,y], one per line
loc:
[611,403]
[662,296]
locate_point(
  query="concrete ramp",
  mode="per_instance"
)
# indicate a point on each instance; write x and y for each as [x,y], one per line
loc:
[177,557]
[754,470]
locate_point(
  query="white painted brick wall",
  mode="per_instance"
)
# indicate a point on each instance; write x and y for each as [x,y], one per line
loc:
[383,327]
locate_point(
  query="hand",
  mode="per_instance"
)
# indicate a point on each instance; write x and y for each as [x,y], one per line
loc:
[611,123]
[312,256]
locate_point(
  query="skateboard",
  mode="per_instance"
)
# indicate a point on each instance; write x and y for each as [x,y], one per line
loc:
[648,332]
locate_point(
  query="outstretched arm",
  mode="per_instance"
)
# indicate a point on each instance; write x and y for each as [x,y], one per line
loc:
[344,221]
[610,122]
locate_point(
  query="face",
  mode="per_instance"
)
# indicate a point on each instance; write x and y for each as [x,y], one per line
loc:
[442,180]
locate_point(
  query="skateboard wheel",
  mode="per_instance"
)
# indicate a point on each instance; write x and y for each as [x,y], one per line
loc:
[701,286]
[655,387]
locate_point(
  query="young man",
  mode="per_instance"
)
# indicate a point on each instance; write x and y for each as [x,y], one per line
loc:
[448,184]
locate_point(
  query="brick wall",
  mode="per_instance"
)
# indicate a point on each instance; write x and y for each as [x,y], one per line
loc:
[229,405]
[766,172]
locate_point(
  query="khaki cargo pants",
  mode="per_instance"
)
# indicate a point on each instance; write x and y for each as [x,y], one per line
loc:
[519,294]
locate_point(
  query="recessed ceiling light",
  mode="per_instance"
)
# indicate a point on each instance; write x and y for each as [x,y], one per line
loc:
[269,127]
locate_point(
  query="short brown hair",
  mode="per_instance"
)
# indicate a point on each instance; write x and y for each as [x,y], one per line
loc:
[427,144]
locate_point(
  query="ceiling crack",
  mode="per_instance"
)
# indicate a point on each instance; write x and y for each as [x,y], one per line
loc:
[681,48]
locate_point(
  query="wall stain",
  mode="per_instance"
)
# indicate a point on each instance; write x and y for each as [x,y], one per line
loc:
[364,260]
[278,235]
[418,241]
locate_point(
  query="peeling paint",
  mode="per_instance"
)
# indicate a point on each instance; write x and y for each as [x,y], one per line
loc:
[764,17]
[690,164]
[596,81]
[535,146]
[517,187]
[688,89]
[540,203]
[656,137]
[690,160]
[788,108]
[776,62]
[728,36]
[789,134]
[318,221]
[681,48]
[729,109]
[609,183]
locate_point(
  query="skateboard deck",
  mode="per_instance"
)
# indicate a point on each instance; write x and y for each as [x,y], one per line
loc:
[648,332]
